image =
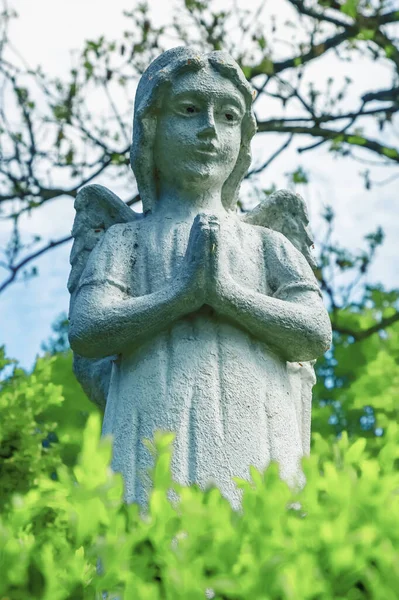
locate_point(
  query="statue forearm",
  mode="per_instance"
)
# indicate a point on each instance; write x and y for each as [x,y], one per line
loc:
[104,322]
[297,331]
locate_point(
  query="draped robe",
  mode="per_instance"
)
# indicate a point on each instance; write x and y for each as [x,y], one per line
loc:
[227,395]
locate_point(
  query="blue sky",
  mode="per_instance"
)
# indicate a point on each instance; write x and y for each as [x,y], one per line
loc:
[29,308]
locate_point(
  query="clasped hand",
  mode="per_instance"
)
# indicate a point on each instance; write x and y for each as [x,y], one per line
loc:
[203,274]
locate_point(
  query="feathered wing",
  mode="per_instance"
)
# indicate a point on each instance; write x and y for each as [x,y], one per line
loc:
[286,212]
[97,208]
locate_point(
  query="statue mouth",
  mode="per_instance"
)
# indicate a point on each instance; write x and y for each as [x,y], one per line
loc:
[207,149]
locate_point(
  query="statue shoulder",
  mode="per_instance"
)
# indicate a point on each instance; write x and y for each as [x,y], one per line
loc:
[122,229]
[284,262]
[276,242]
[285,212]
[121,235]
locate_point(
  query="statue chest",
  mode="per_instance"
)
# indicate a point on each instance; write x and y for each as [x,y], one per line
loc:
[160,248]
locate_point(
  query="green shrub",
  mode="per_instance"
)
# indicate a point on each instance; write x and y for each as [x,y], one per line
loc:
[340,542]
[42,417]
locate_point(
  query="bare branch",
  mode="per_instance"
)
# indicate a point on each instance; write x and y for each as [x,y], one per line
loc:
[16,268]
[270,159]
[317,14]
[279,126]
[273,68]
[365,333]
[67,142]
[388,95]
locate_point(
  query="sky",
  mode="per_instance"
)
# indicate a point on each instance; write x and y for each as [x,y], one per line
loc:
[45,33]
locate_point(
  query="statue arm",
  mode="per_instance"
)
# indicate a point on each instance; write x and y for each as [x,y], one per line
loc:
[106,318]
[292,320]
[106,321]
[298,329]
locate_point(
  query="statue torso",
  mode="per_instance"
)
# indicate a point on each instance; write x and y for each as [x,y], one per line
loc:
[221,390]
[160,245]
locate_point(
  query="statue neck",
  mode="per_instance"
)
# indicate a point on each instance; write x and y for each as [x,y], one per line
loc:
[185,204]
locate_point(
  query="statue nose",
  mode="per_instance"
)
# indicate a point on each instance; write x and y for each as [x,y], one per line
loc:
[208,128]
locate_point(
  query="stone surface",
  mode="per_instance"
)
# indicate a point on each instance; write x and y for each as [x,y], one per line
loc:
[192,318]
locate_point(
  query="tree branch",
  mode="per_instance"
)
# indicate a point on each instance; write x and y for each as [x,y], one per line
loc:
[350,31]
[280,126]
[270,159]
[365,333]
[272,68]
[389,95]
[16,268]
[319,16]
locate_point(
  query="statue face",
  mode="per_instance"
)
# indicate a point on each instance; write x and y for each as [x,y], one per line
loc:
[199,130]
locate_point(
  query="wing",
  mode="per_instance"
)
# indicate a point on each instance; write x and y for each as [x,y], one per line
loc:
[97,208]
[94,375]
[287,213]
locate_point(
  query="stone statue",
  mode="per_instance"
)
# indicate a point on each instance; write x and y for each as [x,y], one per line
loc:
[190,317]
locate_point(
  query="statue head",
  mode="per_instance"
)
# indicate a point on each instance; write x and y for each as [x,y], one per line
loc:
[168,85]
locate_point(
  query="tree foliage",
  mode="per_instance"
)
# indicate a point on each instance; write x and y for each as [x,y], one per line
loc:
[77,128]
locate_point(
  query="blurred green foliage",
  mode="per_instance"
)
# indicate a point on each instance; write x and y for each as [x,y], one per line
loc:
[62,509]
[340,541]
[357,388]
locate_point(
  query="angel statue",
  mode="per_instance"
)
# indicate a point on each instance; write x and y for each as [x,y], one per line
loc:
[190,317]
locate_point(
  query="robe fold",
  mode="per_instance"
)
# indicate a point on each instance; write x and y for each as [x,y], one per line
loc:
[228,397]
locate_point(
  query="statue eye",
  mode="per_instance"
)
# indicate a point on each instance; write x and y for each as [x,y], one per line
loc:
[229,116]
[186,108]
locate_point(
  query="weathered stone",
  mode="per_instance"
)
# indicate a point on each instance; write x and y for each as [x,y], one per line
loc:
[212,320]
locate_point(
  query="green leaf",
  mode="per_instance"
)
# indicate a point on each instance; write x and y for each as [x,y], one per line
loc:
[350,8]
[266,66]
[355,452]
[299,176]
[36,581]
[390,152]
[118,159]
[366,34]
[262,42]
[69,156]
[357,140]
[389,50]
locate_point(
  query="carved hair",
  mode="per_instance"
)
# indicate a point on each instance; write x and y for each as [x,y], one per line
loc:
[150,92]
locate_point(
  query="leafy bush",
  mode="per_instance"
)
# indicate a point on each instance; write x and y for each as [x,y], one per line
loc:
[42,415]
[338,538]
